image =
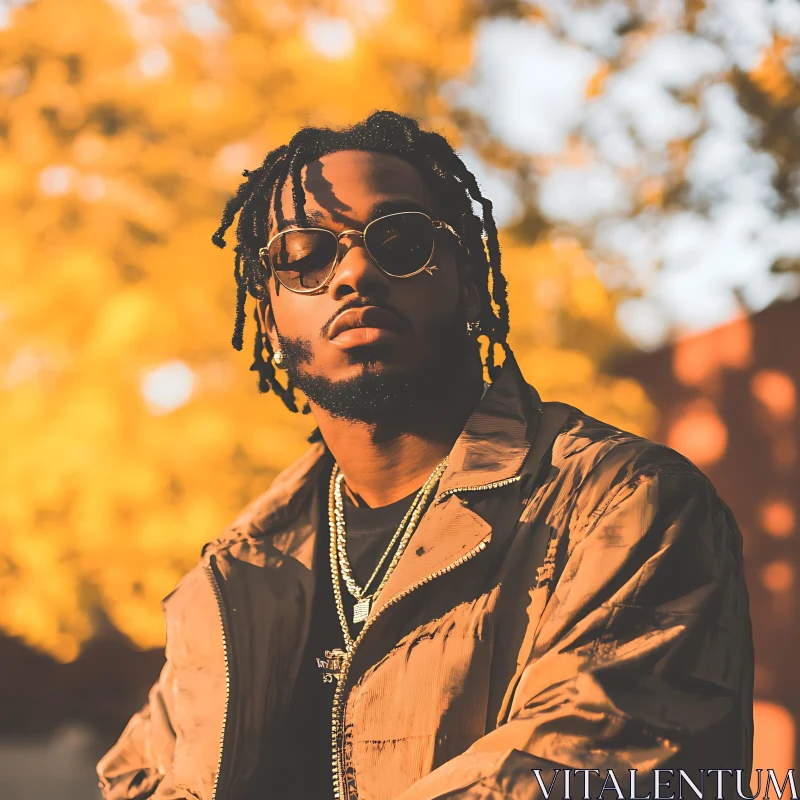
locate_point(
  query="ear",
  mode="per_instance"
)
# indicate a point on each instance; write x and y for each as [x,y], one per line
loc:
[267,320]
[470,298]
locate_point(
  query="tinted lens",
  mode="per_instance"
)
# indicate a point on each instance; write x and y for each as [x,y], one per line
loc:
[302,259]
[401,243]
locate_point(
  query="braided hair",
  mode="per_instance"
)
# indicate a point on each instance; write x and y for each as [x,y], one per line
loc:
[382,132]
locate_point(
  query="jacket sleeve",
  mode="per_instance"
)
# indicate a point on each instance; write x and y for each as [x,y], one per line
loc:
[138,765]
[642,657]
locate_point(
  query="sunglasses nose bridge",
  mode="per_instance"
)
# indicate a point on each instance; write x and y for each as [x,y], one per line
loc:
[341,254]
[347,233]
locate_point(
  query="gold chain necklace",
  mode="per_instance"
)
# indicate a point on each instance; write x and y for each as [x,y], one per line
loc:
[360,593]
[419,505]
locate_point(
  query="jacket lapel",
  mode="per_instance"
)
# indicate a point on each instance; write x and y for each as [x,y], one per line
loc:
[286,499]
[446,533]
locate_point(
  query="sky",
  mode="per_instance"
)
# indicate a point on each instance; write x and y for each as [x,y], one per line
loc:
[529,81]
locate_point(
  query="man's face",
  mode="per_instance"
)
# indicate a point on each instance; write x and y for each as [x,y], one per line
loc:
[365,372]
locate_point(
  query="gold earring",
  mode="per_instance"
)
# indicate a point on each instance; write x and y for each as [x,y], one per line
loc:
[277,357]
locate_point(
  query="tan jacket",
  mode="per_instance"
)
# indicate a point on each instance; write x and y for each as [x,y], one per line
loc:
[573,596]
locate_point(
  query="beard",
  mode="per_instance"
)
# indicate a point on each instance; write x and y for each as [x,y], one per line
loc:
[375,396]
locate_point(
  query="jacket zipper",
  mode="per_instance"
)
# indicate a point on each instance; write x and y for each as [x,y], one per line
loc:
[340,791]
[224,625]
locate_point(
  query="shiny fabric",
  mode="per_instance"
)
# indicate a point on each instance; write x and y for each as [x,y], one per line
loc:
[573,597]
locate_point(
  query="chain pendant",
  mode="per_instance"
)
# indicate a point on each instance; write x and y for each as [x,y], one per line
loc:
[361,610]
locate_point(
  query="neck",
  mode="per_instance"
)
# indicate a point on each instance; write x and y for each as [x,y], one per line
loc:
[383,462]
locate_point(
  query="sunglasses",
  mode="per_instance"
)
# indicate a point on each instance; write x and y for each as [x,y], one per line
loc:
[400,244]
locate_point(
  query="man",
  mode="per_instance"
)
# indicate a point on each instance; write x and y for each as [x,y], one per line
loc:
[458,584]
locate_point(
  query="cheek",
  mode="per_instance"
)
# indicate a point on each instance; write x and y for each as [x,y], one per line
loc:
[297,316]
[431,297]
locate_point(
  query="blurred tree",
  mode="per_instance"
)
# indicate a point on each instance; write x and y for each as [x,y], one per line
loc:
[132,431]
[665,135]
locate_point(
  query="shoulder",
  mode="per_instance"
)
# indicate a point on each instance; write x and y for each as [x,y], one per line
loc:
[596,467]
[619,507]
[280,504]
[601,457]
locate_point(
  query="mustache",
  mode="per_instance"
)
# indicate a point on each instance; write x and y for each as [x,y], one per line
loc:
[361,302]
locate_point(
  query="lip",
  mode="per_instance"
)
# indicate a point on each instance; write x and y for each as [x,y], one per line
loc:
[365,325]
[359,337]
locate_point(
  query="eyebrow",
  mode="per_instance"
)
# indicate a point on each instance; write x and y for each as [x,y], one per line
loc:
[399,204]
[312,216]
[378,210]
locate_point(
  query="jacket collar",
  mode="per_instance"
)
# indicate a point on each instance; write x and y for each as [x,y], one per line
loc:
[492,447]
[498,434]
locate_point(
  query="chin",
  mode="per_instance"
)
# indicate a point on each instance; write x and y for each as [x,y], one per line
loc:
[370,390]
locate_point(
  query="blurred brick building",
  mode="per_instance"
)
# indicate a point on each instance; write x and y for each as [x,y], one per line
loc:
[728,400]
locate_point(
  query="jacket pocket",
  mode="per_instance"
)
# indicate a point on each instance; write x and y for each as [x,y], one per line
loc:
[422,704]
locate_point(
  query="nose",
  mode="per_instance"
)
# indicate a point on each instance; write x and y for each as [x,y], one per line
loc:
[356,272]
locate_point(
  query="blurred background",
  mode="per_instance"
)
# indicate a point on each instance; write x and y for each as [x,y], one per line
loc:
[644,161]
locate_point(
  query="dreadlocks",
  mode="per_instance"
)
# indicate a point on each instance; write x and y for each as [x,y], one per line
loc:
[382,132]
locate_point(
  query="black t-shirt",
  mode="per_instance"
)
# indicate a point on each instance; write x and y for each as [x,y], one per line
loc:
[306,754]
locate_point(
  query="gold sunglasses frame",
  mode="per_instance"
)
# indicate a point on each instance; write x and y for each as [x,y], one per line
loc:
[428,267]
